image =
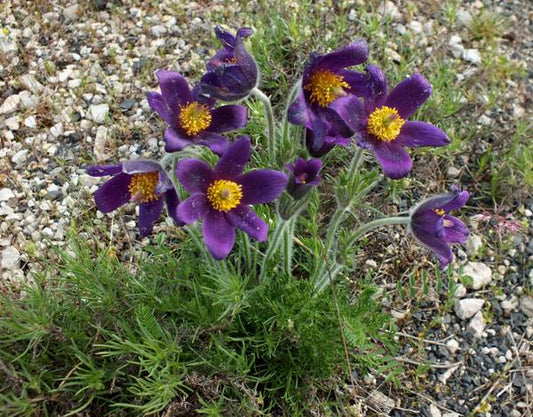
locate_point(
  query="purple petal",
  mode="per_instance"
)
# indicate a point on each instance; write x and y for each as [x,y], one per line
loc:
[297,113]
[194,207]
[103,170]
[113,193]
[459,200]
[228,118]
[415,134]
[217,143]
[357,82]
[172,201]
[394,159]
[409,95]
[176,141]
[194,175]
[234,159]
[455,231]
[377,88]
[158,103]
[354,53]
[148,215]
[313,145]
[447,202]
[244,218]
[244,32]
[436,244]
[174,89]
[352,111]
[219,234]
[140,166]
[226,38]
[261,186]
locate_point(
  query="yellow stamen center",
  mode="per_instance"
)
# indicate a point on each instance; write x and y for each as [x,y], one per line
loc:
[142,187]
[194,118]
[439,211]
[224,195]
[324,87]
[231,60]
[385,123]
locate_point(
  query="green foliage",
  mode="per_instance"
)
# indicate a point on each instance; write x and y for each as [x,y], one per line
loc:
[97,338]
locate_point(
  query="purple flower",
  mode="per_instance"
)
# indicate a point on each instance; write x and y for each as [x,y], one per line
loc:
[232,73]
[304,177]
[143,182]
[326,79]
[380,121]
[191,119]
[435,228]
[222,197]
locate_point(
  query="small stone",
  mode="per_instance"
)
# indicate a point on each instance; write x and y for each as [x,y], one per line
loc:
[158,30]
[451,414]
[526,305]
[480,273]
[71,12]
[20,157]
[467,307]
[56,130]
[29,82]
[371,263]
[10,104]
[454,40]
[352,15]
[485,120]
[101,145]
[380,401]
[10,258]
[30,122]
[13,123]
[452,345]
[6,194]
[388,8]
[510,305]
[460,291]
[472,55]
[476,325]
[98,112]
[415,26]
[515,413]
[127,104]
[434,411]
[463,17]
[447,374]
[473,244]
[453,172]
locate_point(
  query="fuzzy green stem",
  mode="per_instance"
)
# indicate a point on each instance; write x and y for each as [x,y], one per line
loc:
[374,225]
[275,240]
[269,115]
[288,234]
[292,94]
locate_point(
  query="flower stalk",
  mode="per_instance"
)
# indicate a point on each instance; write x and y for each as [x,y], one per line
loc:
[269,117]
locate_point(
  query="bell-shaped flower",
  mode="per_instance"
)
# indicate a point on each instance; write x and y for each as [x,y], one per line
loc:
[324,80]
[303,177]
[435,228]
[143,182]
[191,119]
[222,196]
[232,73]
[380,120]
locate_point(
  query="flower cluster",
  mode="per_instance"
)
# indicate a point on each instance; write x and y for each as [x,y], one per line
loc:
[334,103]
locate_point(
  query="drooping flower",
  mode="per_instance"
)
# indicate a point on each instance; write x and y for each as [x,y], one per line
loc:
[191,119]
[232,73]
[222,196]
[303,177]
[380,121]
[143,182]
[324,80]
[435,228]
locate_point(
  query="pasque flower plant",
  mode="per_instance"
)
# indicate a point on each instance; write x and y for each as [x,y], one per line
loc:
[335,105]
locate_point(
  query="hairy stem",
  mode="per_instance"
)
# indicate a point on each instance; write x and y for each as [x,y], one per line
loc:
[269,115]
